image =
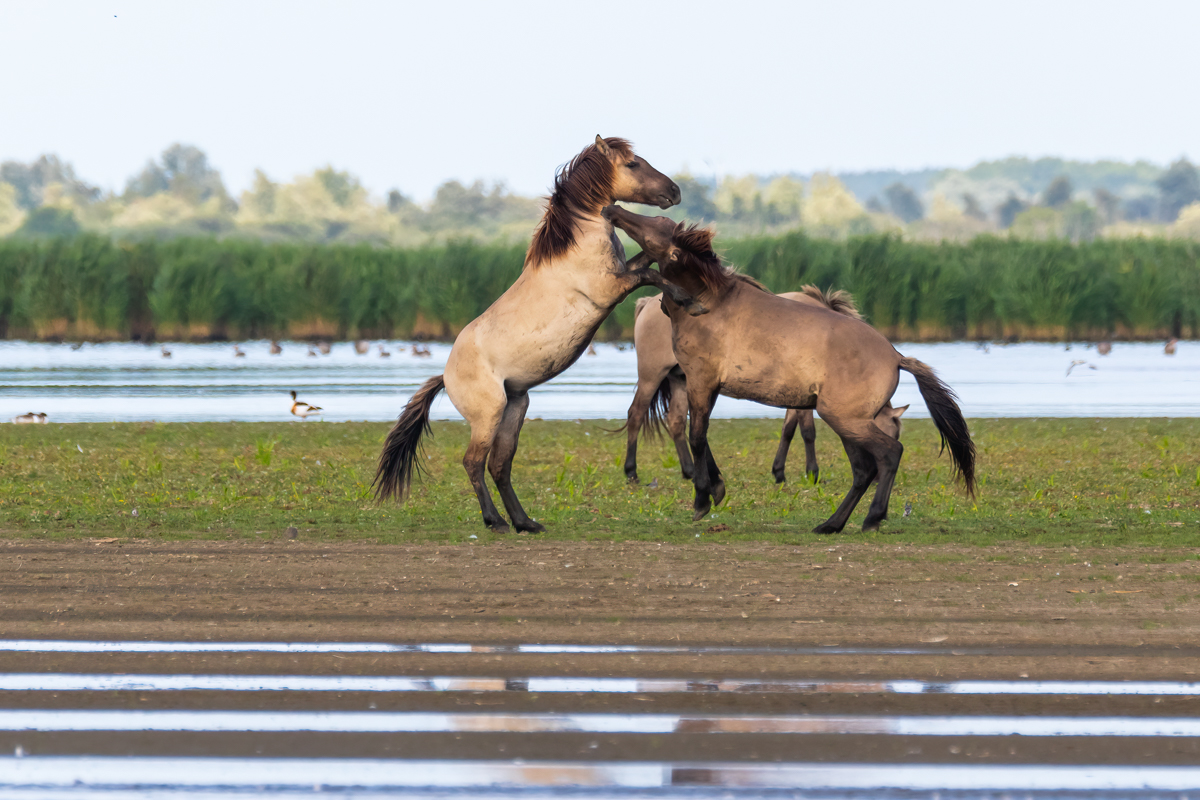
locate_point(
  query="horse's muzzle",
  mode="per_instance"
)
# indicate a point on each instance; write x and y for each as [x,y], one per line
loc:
[671,197]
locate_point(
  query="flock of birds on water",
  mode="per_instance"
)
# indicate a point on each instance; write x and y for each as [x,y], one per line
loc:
[363,347]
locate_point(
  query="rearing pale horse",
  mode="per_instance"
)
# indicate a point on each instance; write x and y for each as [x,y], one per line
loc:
[575,274]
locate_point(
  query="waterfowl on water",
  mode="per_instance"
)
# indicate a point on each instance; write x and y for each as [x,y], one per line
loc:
[362,347]
[303,410]
[275,348]
[323,347]
[421,351]
[238,352]
[384,353]
[1169,347]
[312,353]
[32,418]
[165,352]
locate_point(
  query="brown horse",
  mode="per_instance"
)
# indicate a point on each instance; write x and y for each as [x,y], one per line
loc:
[661,395]
[760,347]
[575,274]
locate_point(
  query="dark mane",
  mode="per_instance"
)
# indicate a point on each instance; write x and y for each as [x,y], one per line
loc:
[701,259]
[582,187]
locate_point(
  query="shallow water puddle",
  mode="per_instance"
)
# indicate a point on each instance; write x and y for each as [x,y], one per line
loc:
[48,720]
[309,775]
[71,682]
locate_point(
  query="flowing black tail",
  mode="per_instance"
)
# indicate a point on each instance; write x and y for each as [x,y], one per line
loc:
[654,417]
[941,401]
[399,461]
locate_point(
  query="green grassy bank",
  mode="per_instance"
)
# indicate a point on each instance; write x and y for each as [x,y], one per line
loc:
[1080,481]
[91,287]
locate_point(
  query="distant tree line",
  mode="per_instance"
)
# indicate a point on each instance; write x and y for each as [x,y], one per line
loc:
[180,193]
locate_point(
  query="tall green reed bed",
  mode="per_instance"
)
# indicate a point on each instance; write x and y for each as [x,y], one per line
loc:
[201,288]
[1050,481]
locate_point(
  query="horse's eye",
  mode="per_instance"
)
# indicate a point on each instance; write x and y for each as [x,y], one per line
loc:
[632,165]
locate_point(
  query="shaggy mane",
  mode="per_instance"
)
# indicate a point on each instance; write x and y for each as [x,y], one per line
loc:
[700,258]
[582,187]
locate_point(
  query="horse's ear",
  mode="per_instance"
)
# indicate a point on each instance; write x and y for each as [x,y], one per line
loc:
[674,255]
[601,145]
[897,413]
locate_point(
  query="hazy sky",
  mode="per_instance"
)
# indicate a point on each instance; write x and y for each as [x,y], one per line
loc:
[410,94]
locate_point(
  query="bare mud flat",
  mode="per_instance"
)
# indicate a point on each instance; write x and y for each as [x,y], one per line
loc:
[850,611]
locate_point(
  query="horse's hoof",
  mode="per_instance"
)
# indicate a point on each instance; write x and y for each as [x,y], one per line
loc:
[699,515]
[825,527]
[718,493]
[531,526]
[631,477]
[498,527]
[780,476]
[813,476]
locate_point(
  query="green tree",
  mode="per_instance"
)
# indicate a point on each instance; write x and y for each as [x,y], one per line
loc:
[31,180]
[697,203]
[1007,211]
[1180,186]
[1058,193]
[49,222]
[182,170]
[904,202]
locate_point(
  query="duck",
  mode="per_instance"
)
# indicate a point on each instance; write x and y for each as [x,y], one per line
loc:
[238,352]
[384,353]
[165,352]
[275,348]
[32,418]
[1169,347]
[362,347]
[421,351]
[303,410]
[312,353]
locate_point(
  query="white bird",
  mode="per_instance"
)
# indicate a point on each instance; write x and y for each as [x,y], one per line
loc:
[1078,363]
[312,353]
[383,353]
[32,418]
[165,352]
[303,410]
[238,352]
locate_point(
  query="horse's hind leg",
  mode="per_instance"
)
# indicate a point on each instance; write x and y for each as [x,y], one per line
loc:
[808,432]
[504,448]
[639,410]
[862,463]
[483,405]
[677,421]
[790,421]
[887,453]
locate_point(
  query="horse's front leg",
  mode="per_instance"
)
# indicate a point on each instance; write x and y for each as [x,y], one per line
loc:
[706,477]
[652,277]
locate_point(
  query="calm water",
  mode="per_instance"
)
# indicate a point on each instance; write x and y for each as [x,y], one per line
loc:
[206,382]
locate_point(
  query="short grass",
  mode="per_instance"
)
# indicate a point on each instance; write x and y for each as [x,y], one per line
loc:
[1078,481]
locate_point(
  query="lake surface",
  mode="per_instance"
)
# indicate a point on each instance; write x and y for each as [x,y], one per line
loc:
[129,382]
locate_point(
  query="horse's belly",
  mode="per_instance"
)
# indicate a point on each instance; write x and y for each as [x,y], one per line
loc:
[769,390]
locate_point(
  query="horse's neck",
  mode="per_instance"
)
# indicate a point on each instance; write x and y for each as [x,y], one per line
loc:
[596,252]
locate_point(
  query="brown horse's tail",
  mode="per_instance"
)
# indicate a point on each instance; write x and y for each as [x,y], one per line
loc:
[399,461]
[943,407]
[838,300]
